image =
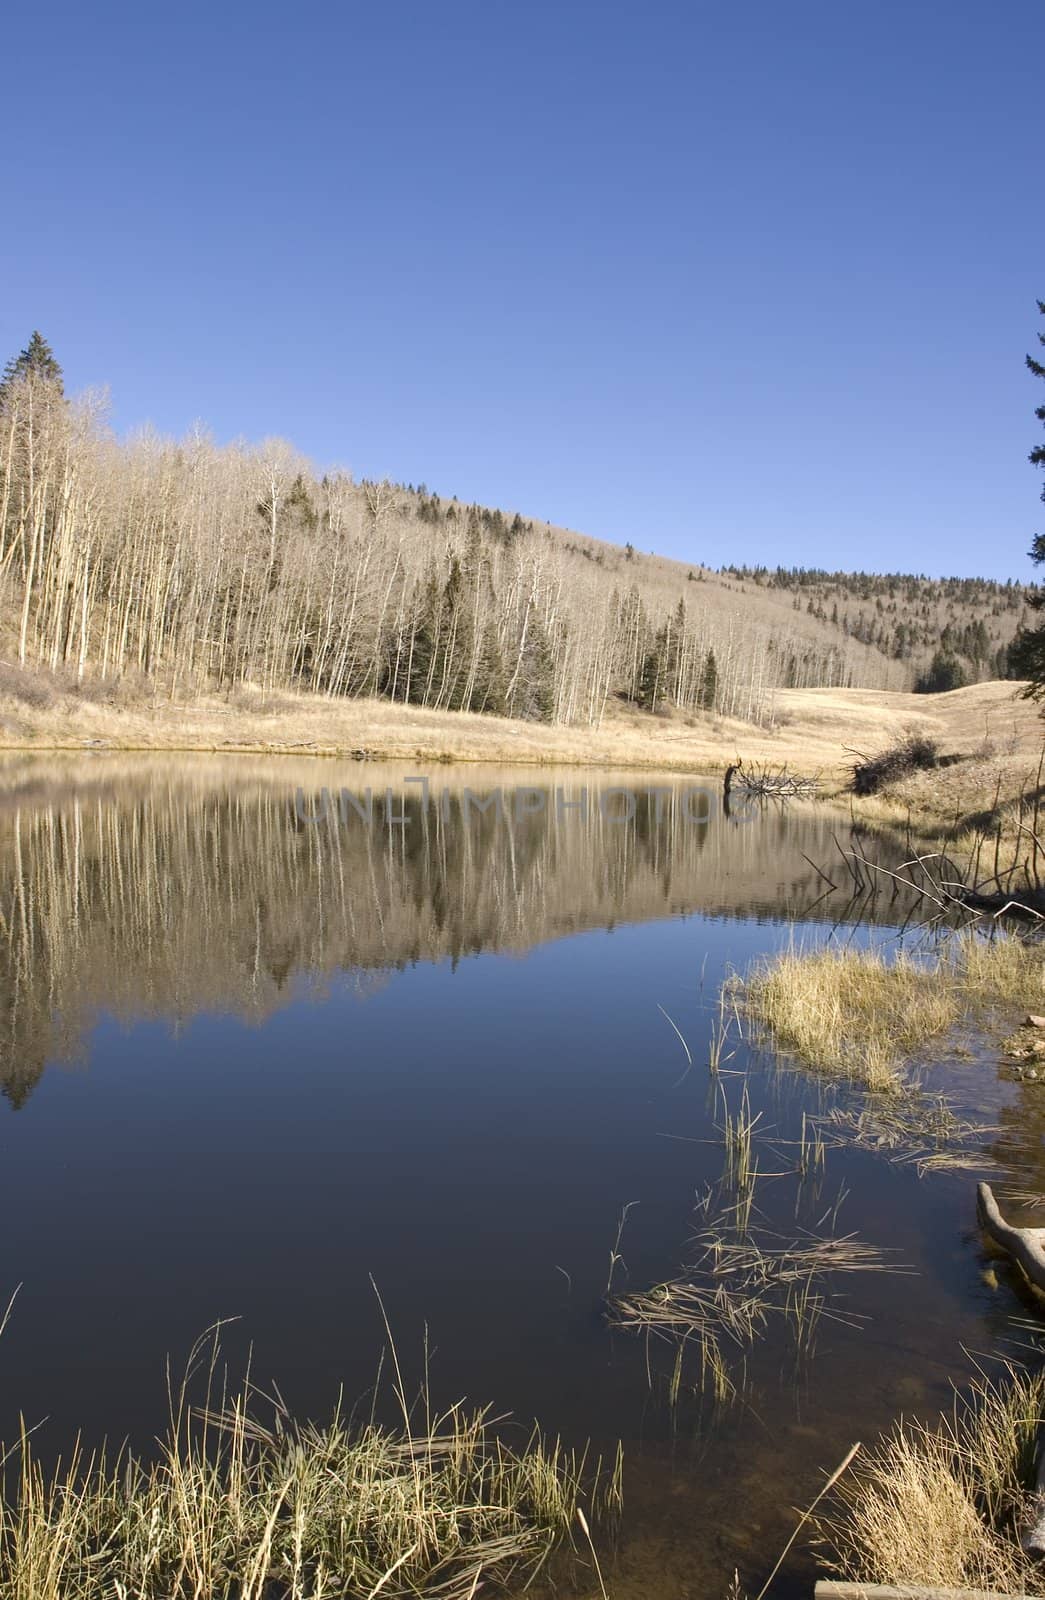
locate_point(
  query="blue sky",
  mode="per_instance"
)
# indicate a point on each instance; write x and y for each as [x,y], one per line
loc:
[741,282]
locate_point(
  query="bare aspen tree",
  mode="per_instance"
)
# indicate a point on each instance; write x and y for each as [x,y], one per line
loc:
[206,568]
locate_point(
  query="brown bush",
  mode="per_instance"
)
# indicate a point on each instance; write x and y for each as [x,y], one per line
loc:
[914,753]
[34,687]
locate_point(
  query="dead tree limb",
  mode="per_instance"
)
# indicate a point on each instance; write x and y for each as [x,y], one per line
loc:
[1026,1246]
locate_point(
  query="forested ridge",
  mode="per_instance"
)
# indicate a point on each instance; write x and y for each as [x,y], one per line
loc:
[201,567]
[969,620]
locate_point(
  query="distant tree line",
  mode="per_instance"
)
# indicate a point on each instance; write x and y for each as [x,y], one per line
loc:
[959,629]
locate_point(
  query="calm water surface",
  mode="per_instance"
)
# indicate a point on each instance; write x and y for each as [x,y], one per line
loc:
[253,1065]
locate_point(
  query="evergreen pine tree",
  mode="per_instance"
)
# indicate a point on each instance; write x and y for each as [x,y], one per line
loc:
[709,682]
[1027,651]
[944,672]
[654,669]
[35,361]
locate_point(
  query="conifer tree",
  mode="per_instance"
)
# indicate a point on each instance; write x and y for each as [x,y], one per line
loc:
[709,682]
[35,361]
[1027,652]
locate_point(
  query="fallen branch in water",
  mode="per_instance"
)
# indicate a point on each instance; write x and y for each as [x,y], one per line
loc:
[1026,1246]
[770,783]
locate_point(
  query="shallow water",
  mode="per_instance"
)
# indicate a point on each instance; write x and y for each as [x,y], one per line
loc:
[255,1065]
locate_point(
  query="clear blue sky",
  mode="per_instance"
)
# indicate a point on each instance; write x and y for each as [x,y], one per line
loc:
[743,281]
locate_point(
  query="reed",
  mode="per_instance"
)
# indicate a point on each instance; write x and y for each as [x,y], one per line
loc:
[941,1506]
[282,1510]
[736,1283]
[812,1150]
[738,1132]
[919,1130]
[720,1031]
[856,1016]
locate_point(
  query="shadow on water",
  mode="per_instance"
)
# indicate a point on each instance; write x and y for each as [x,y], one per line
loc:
[251,1060]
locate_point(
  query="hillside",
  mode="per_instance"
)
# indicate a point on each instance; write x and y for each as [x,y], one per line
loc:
[184,569]
[886,627]
[904,617]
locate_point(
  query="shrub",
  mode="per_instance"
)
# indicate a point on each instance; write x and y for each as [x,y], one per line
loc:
[914,753]
[34,689]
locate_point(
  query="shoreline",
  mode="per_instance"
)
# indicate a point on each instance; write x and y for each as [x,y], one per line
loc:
[816,731]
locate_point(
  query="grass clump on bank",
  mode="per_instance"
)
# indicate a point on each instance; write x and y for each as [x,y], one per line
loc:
[977,813]
[856,1016]
[944,1506]
[288,1511]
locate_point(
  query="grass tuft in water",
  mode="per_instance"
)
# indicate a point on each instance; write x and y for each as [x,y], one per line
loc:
[858,1017]
[942,1506]
[737,1280]
[738,1133]
[281,1510]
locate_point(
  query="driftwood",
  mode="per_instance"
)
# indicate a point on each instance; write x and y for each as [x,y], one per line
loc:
[828,1589]
[767,783]
[1026,1246]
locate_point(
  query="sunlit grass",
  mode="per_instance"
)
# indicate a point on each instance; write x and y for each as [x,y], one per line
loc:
[942,1506]
[858,1016]
[848,1012]
[232,1505]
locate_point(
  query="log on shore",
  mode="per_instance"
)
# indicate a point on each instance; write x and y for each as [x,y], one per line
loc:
[828,1589]
[1026,1246]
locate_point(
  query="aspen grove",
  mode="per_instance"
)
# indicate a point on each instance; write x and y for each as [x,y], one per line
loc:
[204,567]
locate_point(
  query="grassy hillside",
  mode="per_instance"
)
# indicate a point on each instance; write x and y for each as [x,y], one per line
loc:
[884,627]
[838,629]
[184,569]
[904,617]
[887,625]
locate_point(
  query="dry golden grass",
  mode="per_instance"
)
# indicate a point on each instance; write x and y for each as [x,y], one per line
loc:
[974,832]
[964,721]
[848,1012]
[289,1512]
[941,1506]
[855,1015]
[736,1281]
[813,729]
[953,799]
[984,805]
[999,972]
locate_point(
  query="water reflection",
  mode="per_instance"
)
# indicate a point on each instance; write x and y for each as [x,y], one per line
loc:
[434,1055]
[159,887]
